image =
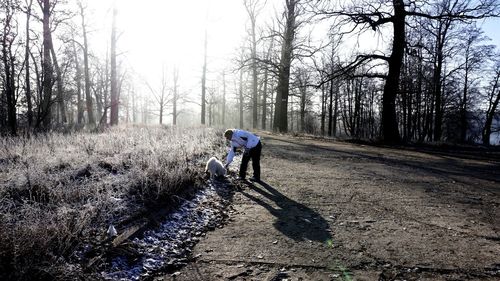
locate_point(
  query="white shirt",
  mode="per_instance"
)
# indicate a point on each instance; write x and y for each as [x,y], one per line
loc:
[241,138]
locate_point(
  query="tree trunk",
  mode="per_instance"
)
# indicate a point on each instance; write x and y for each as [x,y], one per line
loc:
[323,110]
[330,110]
[161,114]
[88,97]
[114,82]
[281,106]
[489,120]
[134,108]
[357,107]
[303,102]
[241,98]
[438,119]
[9,71]
[59,83]
[419,97]
[335,111]
[27,63]
[437,83]
[203,82]
[78,79]
[175,97]
[106,100]
[210,108]
[145,112]
[291,115]
[254,77]
[46,114]
[223,98]
[264,99]
[463,107]
[99,105]
[390,131]
[251,8]
[266,85]
[490,113]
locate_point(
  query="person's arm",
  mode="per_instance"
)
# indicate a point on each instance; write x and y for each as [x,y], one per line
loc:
[230,155]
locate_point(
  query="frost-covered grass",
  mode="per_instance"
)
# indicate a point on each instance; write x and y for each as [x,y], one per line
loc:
[58,192]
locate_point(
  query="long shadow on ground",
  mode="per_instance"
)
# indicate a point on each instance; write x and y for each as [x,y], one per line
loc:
[446,171]
[293,219]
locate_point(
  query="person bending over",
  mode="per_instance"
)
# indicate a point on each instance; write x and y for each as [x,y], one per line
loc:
[251,145]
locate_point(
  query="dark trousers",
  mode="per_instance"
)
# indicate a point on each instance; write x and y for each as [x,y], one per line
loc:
[254,154]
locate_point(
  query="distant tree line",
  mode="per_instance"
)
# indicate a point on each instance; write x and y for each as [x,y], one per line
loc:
[436,81]
[46,86]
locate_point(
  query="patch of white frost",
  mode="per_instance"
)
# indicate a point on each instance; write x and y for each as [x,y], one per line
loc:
[172,241]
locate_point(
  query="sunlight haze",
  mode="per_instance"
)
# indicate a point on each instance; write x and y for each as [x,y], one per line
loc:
[170,33]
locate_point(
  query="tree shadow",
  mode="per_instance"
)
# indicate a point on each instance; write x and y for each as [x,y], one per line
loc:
[293,219]
[449,165]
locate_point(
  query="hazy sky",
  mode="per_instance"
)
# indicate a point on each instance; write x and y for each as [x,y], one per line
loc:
[156,33]
[172,31]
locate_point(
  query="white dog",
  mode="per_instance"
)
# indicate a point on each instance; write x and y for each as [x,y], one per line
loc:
[215,168]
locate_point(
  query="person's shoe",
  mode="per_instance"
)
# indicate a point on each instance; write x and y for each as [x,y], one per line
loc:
[254,179]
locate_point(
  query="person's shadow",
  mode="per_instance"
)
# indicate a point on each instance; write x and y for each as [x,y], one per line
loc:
[293,219]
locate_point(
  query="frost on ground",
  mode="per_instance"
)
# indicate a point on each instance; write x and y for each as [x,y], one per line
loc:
[169,246]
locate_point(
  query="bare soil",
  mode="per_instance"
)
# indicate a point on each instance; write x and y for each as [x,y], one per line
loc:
[342,211]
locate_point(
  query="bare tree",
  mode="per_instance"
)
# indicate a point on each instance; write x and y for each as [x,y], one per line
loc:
[211,102]
[203,82]
[175,98]
[223,98]
[46,113]
[29,103]
[253,8]
[100,88]
[376,14]
[292,11]
[301,83]
[240,98]
[267,81]
[59,83]
[78,79]
[493,96]
[8,58]
[162,97]
[63,16]
[88,96]
[475,55]
[114,82]
[330,91]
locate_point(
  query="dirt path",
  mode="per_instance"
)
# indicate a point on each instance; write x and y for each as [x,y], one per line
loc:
[337,211]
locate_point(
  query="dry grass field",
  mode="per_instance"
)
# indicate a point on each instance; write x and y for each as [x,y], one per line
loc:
[60,192]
